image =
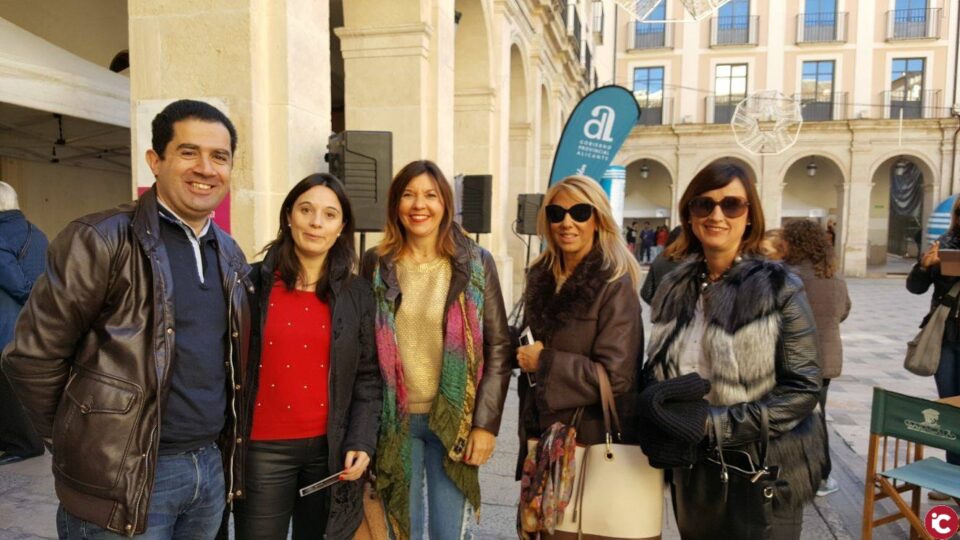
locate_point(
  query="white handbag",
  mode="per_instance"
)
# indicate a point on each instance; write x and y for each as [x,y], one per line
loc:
[616,493]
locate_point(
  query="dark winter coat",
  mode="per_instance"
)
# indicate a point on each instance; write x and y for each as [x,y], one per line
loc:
[23,254]
[830,304]
[920,279]
[590,320]
[91,360]
[355,385]
[761,341]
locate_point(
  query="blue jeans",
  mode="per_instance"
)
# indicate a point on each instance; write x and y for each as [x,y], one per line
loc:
[948,380]
[187,502]
[446,505]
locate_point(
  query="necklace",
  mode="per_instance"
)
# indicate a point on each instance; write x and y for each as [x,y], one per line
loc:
[708,278]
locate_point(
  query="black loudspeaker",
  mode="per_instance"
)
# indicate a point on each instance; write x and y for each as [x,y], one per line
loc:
[363,160]
[528,204]
[475,204]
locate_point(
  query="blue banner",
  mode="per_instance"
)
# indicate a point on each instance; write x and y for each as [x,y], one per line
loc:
[594,133]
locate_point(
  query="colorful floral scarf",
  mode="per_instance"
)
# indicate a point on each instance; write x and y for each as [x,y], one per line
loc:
[547,482]
[451,414]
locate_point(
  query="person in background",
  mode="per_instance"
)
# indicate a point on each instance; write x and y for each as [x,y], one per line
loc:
[810,255]
[23,249]
[445,354]
[314,390]
[648,238]
[128,352]
[832,232]
[663,234]
[744,324]
[924,274]
[773,246]
[659,268]
[632,237]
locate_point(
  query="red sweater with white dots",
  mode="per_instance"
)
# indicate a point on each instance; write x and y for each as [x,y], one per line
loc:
[292,398]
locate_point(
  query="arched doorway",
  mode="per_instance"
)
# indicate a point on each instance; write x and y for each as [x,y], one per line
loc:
[519,181]
[813,190]
[473,91]
[897,203]
[648,198]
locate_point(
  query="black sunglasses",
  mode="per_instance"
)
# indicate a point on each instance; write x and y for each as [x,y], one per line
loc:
[732,207]
[579,212]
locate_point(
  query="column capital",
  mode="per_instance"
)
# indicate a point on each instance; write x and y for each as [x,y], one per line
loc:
[383,41]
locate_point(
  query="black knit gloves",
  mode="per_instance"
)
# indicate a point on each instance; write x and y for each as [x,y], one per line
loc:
[673,414]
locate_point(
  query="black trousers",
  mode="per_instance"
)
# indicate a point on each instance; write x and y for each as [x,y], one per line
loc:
[275,471]
[787,522]
[17,436]
[827,464]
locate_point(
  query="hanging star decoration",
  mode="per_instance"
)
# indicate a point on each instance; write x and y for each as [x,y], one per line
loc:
[767,122]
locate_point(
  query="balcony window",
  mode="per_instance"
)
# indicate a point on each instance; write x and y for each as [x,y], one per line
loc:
[821,22]
[817,96]
[907,88]
[648,90]
[731,88]
[734,25]
[913,19]
[651,35]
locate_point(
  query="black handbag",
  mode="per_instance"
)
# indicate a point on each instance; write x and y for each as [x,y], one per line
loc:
[726,491]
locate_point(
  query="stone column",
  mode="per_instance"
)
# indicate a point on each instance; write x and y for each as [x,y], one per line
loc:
[267,63]
[398,60]
[856,219]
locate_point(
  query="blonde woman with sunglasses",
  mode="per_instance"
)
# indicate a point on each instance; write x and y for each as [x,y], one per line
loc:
[743,323]
[582,307]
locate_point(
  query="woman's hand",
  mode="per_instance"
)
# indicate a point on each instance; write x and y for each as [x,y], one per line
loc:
[529,356]
[480,445]
[355,463]
[932,256]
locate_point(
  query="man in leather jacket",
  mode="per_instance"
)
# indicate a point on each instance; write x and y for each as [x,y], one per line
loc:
[129,354]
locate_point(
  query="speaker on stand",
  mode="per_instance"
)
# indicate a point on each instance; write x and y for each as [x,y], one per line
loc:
[528,205]
[475,203]
[363,161]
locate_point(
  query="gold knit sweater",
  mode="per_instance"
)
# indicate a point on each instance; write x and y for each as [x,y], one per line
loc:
[420,321]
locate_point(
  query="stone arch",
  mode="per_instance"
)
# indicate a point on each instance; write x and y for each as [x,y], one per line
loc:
[649,192]
[519,158]
[890,233]
[818,196]
[474,92]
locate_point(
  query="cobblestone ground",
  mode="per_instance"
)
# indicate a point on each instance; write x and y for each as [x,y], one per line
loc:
[883,318]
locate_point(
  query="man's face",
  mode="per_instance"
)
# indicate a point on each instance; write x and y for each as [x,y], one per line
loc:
[194,175]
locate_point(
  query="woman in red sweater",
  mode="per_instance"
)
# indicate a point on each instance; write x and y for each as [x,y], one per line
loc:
[313,384]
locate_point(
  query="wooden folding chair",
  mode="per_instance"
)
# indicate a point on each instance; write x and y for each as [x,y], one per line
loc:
[900,427]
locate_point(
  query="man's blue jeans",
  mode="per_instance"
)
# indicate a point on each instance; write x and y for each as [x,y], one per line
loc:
[446,506]
[187,502]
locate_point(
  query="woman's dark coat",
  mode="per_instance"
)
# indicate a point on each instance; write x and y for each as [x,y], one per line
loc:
[761,341]
[355,385]
[590,320]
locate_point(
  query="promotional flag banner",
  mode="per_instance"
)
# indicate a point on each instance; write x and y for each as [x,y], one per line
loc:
[939,220]
[594,133]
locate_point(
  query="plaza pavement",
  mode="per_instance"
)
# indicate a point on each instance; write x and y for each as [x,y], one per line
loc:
[883,318]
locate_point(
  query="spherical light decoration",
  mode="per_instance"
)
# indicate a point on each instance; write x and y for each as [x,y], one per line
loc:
[767,122]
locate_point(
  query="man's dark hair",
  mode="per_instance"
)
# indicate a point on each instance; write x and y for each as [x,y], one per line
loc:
[182,110]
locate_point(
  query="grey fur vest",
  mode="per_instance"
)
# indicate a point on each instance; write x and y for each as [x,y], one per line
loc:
[760,340]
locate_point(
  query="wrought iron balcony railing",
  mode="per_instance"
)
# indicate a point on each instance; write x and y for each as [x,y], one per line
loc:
[922,104]
[649,35]
[826,27]
[913,24]
[733,30]
[820,107]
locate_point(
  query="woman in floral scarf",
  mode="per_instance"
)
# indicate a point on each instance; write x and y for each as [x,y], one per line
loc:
[445,355]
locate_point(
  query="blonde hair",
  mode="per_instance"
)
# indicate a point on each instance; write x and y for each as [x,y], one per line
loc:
[616,255]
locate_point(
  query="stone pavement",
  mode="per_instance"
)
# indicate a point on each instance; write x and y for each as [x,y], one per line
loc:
[883,318]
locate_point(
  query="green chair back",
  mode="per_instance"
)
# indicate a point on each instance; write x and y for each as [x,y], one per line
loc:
[914,419]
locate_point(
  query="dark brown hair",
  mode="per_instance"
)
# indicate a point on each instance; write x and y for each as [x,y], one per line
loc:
[341,260]
[394,235]
[717,176]
[808,242]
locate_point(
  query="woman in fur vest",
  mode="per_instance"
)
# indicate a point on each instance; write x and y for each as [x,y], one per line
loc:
[582,307]
[743,323]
